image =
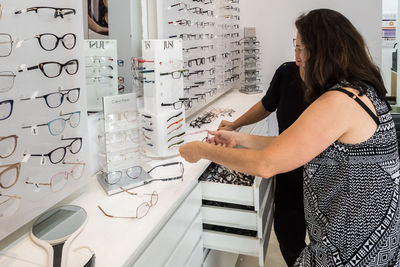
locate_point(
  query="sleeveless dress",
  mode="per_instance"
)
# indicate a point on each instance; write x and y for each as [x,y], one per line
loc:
[351,198]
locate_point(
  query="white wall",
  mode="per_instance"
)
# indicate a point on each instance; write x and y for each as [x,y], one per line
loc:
[274,20]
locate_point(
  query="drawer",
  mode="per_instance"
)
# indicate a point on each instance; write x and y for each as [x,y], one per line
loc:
[236,218]
[236,194]
[234,243]
[187,245]
[168,238]
[196,259]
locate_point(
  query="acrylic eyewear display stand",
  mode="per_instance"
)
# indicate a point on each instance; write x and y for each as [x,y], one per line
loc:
[101,71]
[162,119]
[46,87]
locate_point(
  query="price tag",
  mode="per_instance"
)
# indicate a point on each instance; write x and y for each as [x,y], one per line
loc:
[19,43]
[23,67]
[26,158]
[42,160]
[34,130]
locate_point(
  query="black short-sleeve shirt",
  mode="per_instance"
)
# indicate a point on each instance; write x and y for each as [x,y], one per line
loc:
[285,95]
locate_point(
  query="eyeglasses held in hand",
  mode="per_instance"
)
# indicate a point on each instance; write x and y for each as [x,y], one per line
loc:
[9,176]
[59,180]
[141,210]
[9,205]
[6,109]
[54,100]
[176,74]
[50,41]
[52,69]
[7,79]
[56,11]
[57,155]
[8,144]
[57,126]
[6,44]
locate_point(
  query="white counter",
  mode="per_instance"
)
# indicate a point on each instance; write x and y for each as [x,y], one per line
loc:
[118,241]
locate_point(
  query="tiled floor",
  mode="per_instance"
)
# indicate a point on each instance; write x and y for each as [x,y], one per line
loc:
[273,259]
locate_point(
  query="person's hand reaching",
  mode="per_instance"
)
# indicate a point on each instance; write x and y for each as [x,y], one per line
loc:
[226,125]
[223,138]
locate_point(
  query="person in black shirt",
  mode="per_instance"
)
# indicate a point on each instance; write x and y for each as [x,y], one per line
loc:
[285,96]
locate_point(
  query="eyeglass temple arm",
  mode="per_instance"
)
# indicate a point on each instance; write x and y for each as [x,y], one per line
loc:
[30,68]
[165,165]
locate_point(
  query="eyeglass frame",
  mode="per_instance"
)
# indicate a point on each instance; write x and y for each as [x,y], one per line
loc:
[145,203]
[41,66]
[63,147]
[39,36]
[11,102]
[62,97]
[15,137]
[8,167]
[57,11]
[11,42]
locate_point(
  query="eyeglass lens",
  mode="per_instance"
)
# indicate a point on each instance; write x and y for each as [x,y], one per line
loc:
[7,79]
[9,176]
[8,145]
[6,44]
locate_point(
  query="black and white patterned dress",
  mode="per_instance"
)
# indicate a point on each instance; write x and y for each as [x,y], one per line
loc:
[351,200]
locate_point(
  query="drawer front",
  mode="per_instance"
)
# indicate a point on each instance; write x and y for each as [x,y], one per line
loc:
[196,259]
[163,245]
[187,245]
[261,188]
[231,243]
[236,194]
[235,218]
[267,204]
[269,214]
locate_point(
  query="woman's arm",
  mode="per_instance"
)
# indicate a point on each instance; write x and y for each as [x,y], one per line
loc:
[323,122]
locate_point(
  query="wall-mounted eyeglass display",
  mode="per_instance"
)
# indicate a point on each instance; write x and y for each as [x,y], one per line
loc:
[48,11]
[141,210]
[58,154]
[57,126]
[6,109]
[54,100]
[9,204]
[7,79]
[8,144]
[60,179]
[52,69]
[9,175]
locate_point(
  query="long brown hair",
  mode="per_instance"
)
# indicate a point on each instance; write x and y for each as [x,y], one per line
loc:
[336,53]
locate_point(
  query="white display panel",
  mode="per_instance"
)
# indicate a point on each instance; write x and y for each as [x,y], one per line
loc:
[101,71]
[41,123]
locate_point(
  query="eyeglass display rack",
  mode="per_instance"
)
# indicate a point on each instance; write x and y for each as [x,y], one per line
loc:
[120,143]
[101,71]
[43,132]
[211,48]
[162,119]
[251,55]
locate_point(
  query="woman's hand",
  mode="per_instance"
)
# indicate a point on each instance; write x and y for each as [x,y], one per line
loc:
[191,151]
[223,138]
[226,125]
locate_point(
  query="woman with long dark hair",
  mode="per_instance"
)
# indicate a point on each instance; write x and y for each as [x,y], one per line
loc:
[347,140]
